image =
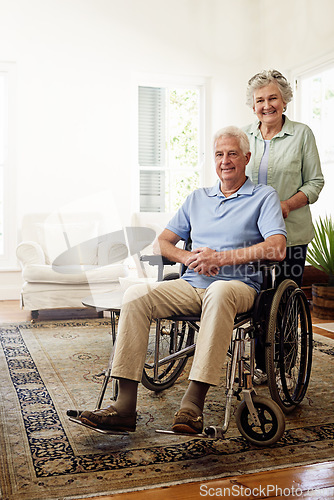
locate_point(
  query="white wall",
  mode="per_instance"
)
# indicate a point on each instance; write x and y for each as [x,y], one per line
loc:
[76,65]
[297,32]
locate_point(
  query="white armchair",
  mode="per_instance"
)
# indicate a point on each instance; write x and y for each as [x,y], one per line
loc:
[66,258]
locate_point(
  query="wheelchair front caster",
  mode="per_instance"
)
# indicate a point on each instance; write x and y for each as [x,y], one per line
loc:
[272,421]
[214,432]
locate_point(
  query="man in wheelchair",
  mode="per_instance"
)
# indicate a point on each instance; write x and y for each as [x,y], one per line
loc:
[230,224]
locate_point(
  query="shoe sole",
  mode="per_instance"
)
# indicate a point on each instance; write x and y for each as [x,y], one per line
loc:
[116,428]
[185,429]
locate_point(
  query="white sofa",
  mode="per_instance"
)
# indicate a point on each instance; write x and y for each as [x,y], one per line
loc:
[65,258]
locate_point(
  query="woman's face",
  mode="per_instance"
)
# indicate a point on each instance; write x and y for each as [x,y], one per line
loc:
[268,104]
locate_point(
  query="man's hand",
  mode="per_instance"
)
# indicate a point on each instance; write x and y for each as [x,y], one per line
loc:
[206,261]
[203,261]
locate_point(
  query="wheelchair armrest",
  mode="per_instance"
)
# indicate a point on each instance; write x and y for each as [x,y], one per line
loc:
[267,267]
[157,260]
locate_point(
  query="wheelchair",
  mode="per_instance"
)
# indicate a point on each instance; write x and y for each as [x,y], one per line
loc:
[276,332]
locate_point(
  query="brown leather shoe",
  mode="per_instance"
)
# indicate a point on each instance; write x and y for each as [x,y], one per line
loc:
[108,419]
[188,422]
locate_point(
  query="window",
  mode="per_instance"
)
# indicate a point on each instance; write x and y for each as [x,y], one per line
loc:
[315,107]
[170,145]
[7,193]
[3,141]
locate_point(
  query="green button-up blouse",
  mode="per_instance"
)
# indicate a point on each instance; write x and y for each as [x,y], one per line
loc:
[293,165]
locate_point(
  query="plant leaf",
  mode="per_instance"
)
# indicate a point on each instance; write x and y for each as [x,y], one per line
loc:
[320,253]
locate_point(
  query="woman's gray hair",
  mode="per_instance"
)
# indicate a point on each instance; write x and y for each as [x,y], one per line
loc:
[233,132]
[264,78]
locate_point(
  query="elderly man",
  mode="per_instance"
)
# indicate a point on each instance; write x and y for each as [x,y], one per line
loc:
[231,224]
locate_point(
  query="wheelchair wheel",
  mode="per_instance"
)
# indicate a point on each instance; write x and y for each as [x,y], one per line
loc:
[271,418]
[289,346]
[174,336]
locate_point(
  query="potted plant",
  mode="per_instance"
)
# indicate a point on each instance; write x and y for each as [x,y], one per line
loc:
[320,254]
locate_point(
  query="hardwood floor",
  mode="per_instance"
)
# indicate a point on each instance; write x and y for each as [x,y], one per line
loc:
[311,481]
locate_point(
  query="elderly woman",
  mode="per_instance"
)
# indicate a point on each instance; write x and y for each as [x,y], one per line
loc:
[284,156]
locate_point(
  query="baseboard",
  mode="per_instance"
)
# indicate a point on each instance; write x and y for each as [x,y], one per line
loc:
[68,313]
[9,292]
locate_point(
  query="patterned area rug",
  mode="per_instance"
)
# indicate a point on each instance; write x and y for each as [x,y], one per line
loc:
[48,367]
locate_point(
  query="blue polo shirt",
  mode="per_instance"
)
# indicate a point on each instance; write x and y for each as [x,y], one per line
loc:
[245,218]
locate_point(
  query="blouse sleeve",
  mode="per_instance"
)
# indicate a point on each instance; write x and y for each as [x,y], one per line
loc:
[313,179]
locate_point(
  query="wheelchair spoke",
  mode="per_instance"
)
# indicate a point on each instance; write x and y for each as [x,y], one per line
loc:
[174,336]
[288,354]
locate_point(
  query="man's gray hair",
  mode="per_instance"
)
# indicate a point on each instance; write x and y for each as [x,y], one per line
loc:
[233,132]
[265,78]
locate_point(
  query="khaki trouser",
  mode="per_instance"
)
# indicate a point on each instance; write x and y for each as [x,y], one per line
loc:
[217,305]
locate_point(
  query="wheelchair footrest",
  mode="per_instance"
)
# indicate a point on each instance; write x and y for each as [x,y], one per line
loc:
[165,431]
[101,431]
[209,432]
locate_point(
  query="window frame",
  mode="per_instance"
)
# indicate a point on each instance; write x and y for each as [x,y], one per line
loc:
[8,259]
[170,81]
[307,71]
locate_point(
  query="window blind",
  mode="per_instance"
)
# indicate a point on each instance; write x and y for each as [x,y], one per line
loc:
[151,147]
[152,191]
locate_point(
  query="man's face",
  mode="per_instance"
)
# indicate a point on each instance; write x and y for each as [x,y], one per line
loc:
[230,161]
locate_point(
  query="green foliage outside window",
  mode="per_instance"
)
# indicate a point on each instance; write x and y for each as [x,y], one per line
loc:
[182,145]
